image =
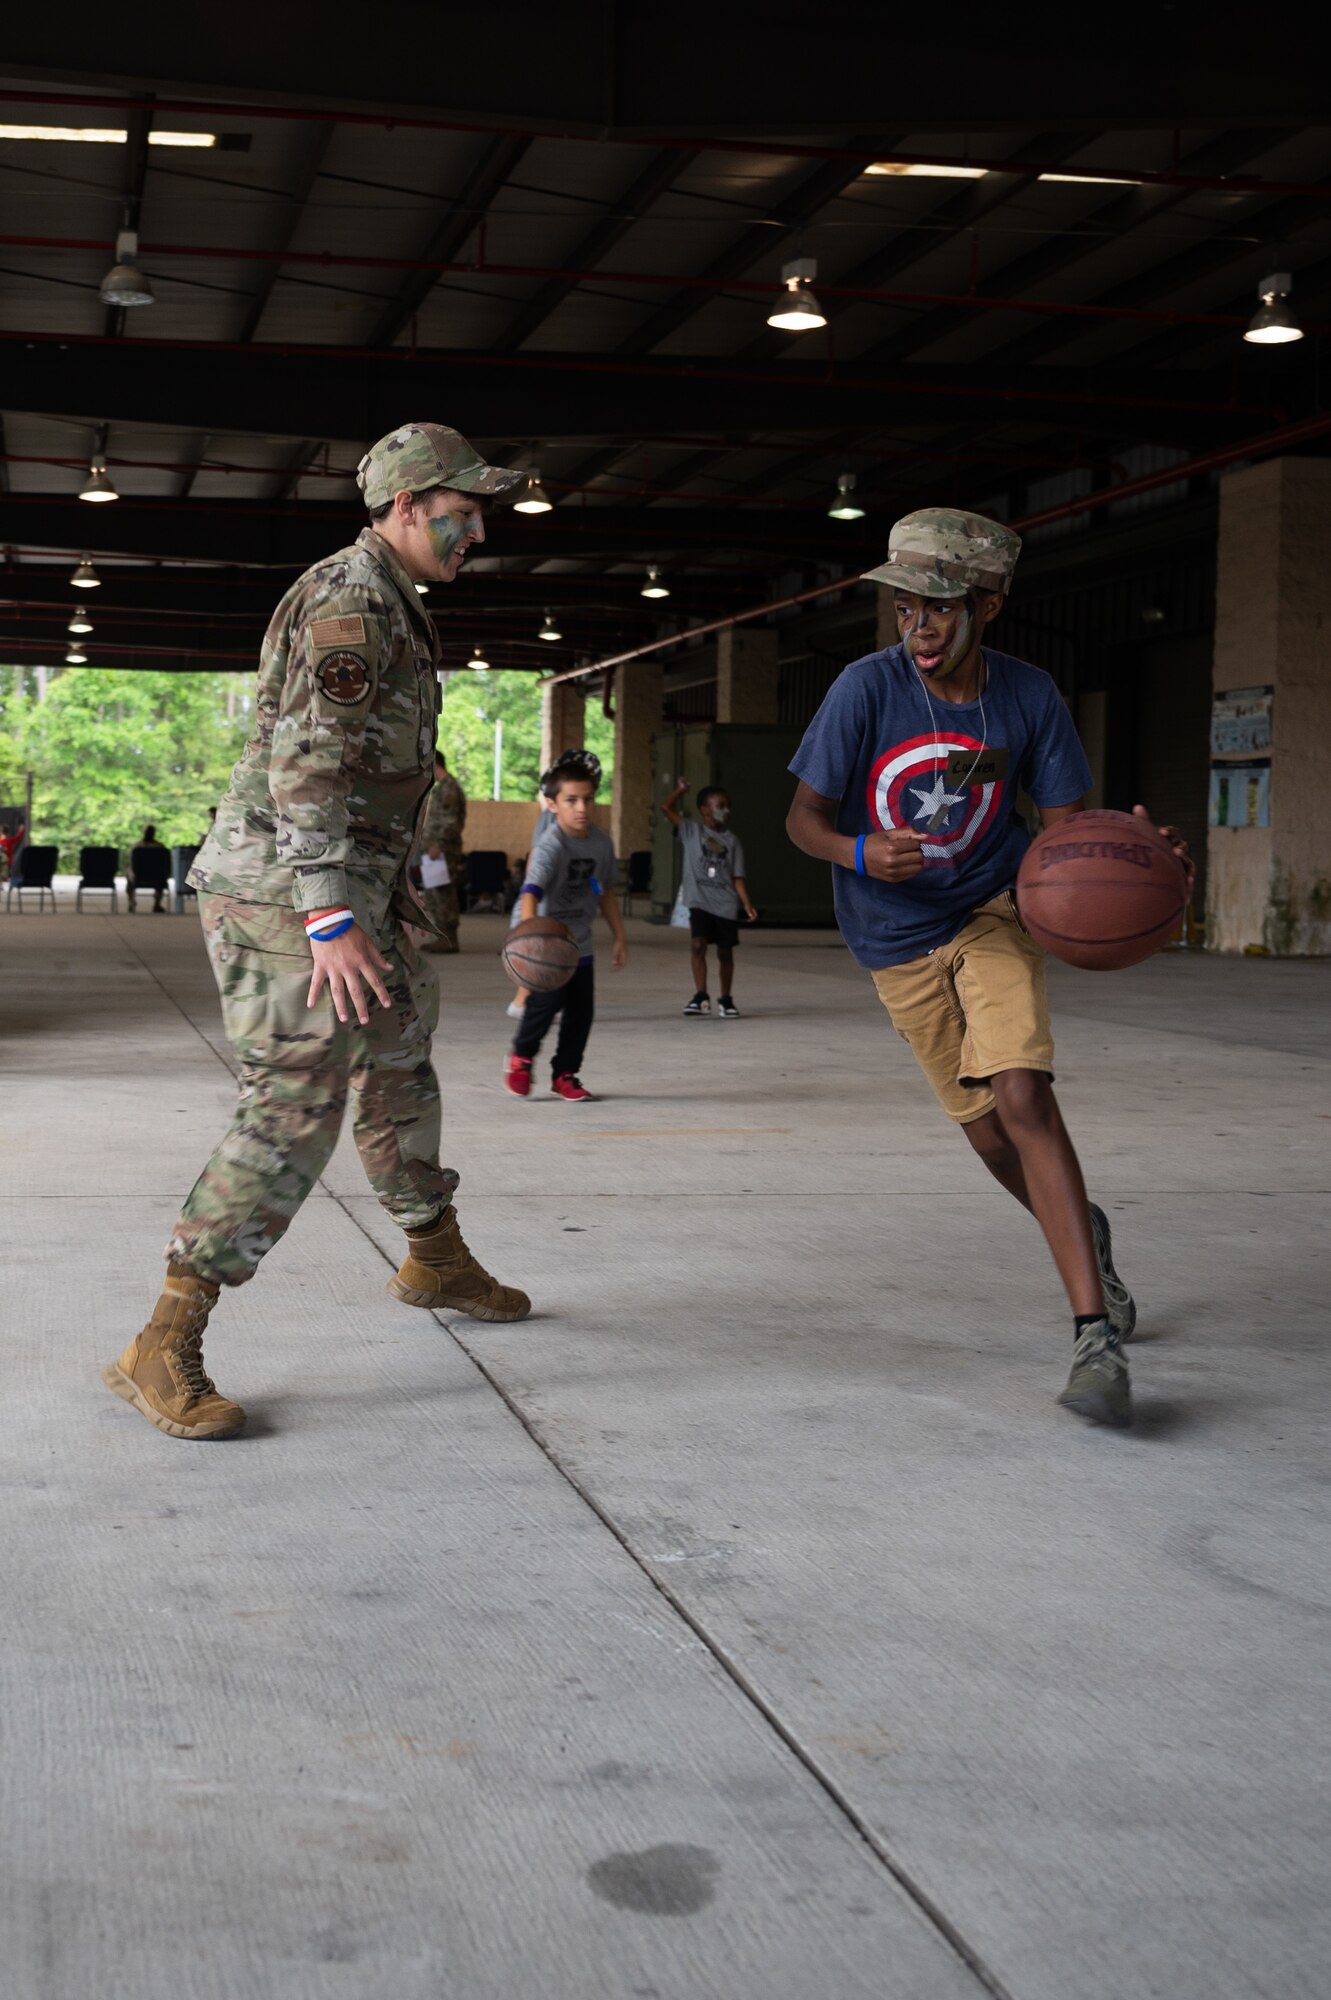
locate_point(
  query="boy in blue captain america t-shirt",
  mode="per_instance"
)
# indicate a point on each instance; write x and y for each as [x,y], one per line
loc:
[909,775]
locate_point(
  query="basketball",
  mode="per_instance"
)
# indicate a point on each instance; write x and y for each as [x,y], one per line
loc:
[540,954]
[1102,890]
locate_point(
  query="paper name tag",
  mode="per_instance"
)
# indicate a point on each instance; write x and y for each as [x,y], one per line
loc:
[970,767]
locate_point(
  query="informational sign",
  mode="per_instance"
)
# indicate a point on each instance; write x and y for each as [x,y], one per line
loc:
[1241,725]
[1240,795]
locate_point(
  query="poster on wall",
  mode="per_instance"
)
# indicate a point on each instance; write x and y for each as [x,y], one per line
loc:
[1241,724]
[1240,795]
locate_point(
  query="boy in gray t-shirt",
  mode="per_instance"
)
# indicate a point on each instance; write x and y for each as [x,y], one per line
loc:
[713,888]
[571,872]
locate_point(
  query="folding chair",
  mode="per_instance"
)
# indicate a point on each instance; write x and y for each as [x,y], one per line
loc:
[182,860]
[149,868]
[34,868]
[637,877]
[487,873]
[97,870]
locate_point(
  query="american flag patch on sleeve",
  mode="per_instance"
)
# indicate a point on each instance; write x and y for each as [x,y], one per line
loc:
[347,631]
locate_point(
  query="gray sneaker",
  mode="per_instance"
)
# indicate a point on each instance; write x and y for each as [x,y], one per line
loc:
[1098,1387]
[1120,1306]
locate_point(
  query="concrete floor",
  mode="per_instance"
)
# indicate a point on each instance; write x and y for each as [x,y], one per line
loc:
[749,1623]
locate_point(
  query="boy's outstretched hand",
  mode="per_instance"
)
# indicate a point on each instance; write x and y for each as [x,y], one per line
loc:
[1176,841]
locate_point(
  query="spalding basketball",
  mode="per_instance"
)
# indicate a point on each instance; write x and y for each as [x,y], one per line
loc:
[541,954]
[1101,890]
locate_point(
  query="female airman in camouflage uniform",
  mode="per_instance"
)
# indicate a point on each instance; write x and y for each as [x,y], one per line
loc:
[315,831]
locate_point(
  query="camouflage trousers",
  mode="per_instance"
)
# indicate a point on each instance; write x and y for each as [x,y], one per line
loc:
[298,1067]
[441,907]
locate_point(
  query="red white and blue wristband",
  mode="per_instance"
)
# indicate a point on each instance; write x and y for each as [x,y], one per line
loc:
[332,924]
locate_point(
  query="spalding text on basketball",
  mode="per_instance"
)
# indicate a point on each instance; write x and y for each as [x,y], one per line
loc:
[1096,850]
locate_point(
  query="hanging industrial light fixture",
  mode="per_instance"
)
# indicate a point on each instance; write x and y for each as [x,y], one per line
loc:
[843,508]
[535,499]
[478,660]
[549,629]
[796,309]
[1273,323]
[79,622]
[76,657]
[125,284]
[654,586]
[422,587]
[97,486]
[85,576]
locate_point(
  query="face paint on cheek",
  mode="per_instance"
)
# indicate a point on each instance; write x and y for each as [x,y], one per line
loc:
[446,532]
[961,638]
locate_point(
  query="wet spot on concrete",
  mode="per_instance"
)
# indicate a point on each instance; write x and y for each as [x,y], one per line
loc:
[673,1880]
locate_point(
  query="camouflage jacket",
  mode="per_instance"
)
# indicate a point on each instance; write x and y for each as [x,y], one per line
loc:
[445,814]
[323,806]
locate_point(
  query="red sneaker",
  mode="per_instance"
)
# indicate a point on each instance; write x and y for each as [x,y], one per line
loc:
[571,1090]
[517,1075]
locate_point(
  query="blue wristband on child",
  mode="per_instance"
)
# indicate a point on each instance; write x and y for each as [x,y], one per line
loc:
[859,853]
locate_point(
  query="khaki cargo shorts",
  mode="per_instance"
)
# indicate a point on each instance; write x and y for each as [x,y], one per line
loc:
[972,1007]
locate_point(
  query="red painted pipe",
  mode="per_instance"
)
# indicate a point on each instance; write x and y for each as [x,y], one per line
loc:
[661,141]
[1086,503]
[329,259]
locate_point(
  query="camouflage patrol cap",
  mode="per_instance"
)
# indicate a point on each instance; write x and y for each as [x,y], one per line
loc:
[942,552]
[415,456]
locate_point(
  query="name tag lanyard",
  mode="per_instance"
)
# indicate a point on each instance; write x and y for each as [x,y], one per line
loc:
[939,819]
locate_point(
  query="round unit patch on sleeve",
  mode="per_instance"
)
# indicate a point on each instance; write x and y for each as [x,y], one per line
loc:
[344,678]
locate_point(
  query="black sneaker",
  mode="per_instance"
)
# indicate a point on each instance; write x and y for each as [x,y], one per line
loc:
[1120,1306]
[727,1009]
[699,1004]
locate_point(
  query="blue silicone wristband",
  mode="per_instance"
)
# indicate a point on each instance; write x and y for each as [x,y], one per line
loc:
[326,937]
[859,853]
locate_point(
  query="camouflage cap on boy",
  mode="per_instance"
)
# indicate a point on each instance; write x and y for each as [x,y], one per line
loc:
[415,456]
[942,552]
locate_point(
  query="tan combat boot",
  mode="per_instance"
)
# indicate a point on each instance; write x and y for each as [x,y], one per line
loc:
[161,1372]
[439,1270]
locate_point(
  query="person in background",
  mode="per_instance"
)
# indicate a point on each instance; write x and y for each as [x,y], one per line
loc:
[10,844]
[571,873]
[441,842]
[149,841]
[713,889]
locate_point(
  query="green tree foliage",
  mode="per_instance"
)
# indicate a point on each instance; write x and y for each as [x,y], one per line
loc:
[111,751]
[474,702]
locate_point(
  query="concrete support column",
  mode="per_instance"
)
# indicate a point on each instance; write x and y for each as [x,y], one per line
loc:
[747,675]
[1271,886]
[637,719]
[563,720]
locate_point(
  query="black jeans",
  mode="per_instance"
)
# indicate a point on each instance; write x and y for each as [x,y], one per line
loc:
[577,1004]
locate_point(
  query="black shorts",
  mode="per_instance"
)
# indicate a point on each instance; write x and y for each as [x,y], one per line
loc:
[720,931]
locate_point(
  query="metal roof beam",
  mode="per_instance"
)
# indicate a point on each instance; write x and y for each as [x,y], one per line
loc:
[496,162]
[656,179]
[314,149]
[1126,210]
[757,242]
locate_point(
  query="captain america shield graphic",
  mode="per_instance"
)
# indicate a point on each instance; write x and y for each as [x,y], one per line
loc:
[908,788]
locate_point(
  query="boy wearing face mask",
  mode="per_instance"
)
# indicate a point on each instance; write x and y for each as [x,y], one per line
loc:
[909,775]
[713,889]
